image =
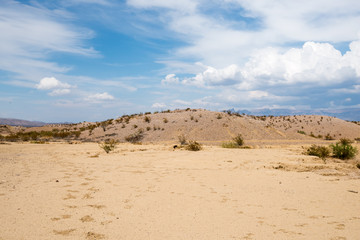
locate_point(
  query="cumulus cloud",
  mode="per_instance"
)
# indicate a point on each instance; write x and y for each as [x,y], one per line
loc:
[316,63]
[57,87]
[170,79]
[220,34]
[51,83]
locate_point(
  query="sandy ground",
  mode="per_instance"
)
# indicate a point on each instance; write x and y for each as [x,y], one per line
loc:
[63,191]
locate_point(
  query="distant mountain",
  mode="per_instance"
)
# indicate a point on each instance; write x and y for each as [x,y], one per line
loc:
[19,122]
[350,114]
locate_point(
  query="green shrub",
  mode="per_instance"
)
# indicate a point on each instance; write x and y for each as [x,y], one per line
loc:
[135,137]
[319,151]
[193,146]
[343,149]
[108,145]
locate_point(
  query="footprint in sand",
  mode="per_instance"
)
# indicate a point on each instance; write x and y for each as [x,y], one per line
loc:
[97,206]
[64,232]
[94,236]
[69,196]
[87,218]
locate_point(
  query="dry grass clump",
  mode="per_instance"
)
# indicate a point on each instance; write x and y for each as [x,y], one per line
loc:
[193,146]
[237,142]
[108,145]
[135,137]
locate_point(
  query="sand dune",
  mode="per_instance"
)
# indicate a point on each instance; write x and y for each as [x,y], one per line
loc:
[63,191]
[207,127]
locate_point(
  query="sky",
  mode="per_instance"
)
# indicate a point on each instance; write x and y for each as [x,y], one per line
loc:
[91,60]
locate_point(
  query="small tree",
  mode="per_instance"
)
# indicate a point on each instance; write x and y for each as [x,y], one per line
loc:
[344,150]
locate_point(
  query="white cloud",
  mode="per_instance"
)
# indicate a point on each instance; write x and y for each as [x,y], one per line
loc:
[32,32]
[100,97]
[59,92]
[51,83]
[159,105]
[170,79]
[217,39]
[316,63]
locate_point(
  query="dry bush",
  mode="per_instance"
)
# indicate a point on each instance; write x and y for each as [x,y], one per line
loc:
[319,151]
[193,146]
[108,145]
[135,137]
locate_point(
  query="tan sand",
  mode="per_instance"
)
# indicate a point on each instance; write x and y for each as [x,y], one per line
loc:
[63,191]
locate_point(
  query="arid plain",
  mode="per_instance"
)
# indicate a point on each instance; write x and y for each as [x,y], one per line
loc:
[272,190]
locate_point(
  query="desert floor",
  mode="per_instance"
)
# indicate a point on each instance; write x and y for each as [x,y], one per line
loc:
[64,191]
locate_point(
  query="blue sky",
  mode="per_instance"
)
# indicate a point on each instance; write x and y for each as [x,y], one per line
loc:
[77,60]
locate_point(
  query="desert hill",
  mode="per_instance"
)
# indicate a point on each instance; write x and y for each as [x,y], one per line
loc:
[20,122]
[200,125]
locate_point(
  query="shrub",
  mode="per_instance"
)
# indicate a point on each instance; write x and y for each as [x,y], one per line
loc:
[108,145]
[301,132]
[165,120]
[239,140]
[135,137]
[147,119]
[328,137]
[193,146]
[182,139]
[229,145]
[343,149]
[219,116]
[319,151]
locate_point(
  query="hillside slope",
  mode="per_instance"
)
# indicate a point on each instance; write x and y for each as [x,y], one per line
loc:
[199,125]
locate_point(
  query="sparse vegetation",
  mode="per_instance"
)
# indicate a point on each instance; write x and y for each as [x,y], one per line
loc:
[320,151]
[165,120]
[108,145]
[328,137]
[302,132]
[193,146]
[147,119]
[343,149]
[135,137]
[237,142]
[219,116]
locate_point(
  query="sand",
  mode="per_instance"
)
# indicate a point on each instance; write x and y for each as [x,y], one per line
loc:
[63,191]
